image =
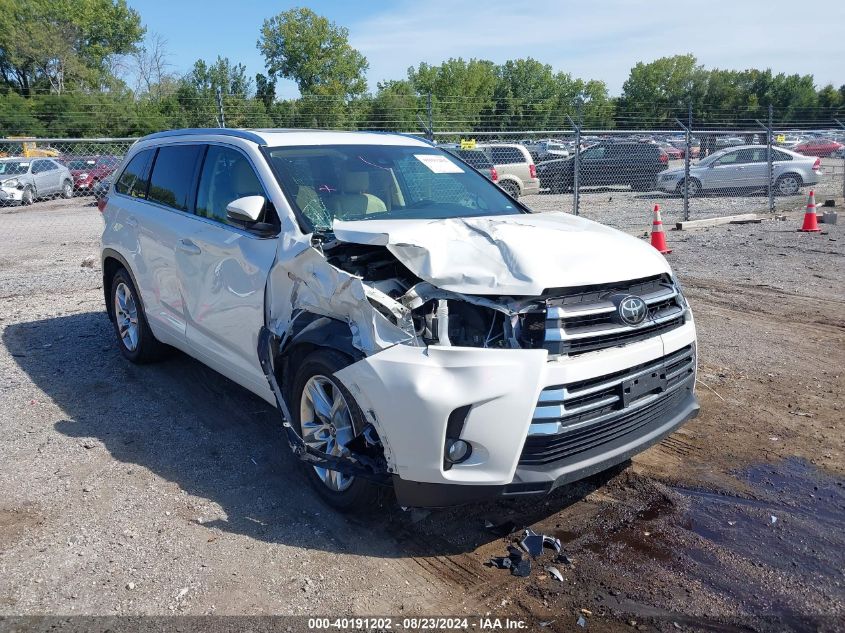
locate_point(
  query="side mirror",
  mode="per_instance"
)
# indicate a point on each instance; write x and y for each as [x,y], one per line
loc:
[247,209]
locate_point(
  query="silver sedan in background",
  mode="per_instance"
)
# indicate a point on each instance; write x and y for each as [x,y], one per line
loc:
[745,167]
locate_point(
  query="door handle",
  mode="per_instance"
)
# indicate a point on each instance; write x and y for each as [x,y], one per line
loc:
[189,247]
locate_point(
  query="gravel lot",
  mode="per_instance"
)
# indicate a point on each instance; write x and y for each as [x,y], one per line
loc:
[167,489]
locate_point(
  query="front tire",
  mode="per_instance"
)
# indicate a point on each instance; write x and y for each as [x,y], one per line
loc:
[27,197]
[327,417]
[694,188]
[67,189]
[136,341]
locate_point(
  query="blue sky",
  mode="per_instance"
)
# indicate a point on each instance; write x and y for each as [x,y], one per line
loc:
[598,39]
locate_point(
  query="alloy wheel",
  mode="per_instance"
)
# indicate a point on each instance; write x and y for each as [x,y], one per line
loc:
[326,426]
[126,315]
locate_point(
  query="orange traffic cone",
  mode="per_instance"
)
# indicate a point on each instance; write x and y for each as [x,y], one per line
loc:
[658,237]
[811,222]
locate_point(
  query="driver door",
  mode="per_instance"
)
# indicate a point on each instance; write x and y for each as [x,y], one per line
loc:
[225,271]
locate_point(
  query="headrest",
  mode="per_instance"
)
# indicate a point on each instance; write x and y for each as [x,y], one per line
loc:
[356,181]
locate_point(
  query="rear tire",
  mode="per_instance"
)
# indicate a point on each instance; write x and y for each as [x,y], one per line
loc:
[136,341]
[510,188]
[314,382]
[788,184]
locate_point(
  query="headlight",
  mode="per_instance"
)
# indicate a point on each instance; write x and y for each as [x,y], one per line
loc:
[12,182]
[83,176]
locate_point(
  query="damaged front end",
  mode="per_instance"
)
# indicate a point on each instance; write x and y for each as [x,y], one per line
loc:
[361,300]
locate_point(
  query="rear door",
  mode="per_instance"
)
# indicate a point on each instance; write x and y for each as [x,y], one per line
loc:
[593,166]
[164,226]
[224,275]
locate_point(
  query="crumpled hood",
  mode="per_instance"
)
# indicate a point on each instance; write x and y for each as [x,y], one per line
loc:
[518,255]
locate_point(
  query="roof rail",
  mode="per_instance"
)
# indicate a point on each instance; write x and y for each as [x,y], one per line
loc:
[219,131]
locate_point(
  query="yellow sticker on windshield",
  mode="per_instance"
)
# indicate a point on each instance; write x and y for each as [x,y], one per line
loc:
[438,163]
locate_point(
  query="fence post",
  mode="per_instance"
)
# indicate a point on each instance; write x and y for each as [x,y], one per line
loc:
[842,125]
[221,115]
[576,187]
[430,118]
[770,163]
[770,158]
[687,150]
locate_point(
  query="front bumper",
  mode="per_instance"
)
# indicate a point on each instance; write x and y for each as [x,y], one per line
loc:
[543,479]
[11,194]
[668,182]
[408,394]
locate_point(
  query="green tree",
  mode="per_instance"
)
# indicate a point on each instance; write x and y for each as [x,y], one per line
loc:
[300,45]
[54,44]
[462,91]
[395,106]
[659,91]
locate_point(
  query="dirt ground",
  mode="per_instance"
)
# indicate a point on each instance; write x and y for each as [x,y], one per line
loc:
[167,489]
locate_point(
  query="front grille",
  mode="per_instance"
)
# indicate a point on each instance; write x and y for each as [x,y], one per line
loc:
[577,417]
[585,319]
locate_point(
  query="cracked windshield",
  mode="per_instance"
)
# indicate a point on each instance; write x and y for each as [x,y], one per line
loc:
[380,182]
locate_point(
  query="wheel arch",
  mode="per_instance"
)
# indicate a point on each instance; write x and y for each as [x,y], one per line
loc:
[308,332]
[112,261]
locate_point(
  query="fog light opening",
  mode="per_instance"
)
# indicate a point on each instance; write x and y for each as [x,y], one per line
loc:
[457,451]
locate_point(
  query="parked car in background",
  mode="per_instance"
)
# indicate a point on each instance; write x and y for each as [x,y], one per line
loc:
[821,147]
[744,168]
[87,171]
[674,153]
[681,146]
[101,189]
[515,167]
[634,164]
[839,153]
[476,159]
[23,180]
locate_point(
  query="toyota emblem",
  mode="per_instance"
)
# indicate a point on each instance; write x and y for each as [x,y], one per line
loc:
[632,310]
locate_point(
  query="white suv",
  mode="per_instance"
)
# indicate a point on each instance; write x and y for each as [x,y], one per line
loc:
[414,325]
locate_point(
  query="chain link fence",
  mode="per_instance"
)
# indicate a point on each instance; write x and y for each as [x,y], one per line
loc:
[616,177]
[612,176]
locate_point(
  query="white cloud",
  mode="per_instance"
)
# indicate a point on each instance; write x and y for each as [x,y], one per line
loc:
[603,40]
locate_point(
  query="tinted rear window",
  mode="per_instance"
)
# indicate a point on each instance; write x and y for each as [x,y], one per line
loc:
[507,155]
[475,158]
[133,181]
[173,175]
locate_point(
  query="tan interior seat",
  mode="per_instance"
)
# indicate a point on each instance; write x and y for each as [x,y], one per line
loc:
[355,199]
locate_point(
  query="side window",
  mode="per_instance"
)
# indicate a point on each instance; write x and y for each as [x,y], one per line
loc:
[134,179]
[50,165]
[38,167]
[730,158]
[780,156]
[226,176]
[172,179]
